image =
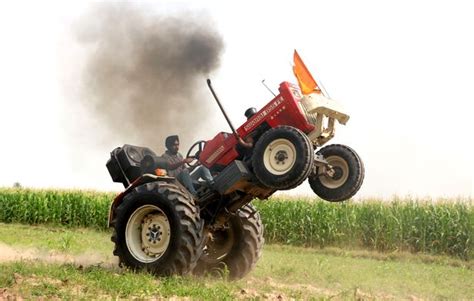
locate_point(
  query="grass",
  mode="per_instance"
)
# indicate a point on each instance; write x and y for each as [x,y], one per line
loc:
[31,280]
[398,278]
[58,239]
[289,272]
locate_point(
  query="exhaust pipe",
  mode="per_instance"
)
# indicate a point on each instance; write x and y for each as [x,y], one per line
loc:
[222,109]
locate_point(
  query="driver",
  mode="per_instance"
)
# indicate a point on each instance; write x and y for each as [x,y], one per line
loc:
[177,169]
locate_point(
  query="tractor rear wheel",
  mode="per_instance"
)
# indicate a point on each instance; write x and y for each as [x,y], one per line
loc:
[348,174]
[282,158]
[157,228]
[234,247]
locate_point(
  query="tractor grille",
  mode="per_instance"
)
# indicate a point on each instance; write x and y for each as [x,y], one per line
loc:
[311,118]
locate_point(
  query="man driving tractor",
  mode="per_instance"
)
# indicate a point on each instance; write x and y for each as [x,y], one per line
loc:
[177,168]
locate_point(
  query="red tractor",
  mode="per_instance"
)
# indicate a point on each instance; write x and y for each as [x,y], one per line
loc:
[160,227]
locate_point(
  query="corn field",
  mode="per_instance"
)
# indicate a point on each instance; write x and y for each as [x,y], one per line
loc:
[409,225]
[441,228]
[65,207]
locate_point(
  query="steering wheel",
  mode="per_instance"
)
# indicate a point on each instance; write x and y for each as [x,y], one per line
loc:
[195,153]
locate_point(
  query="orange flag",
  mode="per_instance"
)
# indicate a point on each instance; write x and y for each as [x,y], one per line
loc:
[305,79]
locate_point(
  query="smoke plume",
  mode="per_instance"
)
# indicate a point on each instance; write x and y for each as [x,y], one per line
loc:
[145,72]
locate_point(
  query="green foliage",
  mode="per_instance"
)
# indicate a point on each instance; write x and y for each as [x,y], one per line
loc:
[436,228]
[66,207]
[408,225]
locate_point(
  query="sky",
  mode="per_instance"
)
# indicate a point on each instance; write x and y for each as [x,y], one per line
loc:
[404,71]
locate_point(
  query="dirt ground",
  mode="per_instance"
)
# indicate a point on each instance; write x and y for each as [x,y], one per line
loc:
[9,253]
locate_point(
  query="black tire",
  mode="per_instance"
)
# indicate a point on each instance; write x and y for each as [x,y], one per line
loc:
[282,158]
[235,248]
[167,213]
[349,175]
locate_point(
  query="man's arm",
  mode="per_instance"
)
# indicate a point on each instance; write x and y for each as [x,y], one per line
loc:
[175,162]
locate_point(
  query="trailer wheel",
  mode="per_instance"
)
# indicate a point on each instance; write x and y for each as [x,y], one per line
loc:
[235,247]
[157,228]
[347,178]
[282,158]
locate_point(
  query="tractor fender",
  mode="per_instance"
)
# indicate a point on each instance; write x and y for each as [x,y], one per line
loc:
[146,178]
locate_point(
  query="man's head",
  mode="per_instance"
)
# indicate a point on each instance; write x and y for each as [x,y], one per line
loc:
[172,144]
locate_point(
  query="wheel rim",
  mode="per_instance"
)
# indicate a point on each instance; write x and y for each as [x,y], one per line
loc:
[218,245]
[341,173]
[147,233]
[279,156]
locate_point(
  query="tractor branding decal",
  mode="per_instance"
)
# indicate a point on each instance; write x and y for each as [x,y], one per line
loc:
[215,154]
[264,113]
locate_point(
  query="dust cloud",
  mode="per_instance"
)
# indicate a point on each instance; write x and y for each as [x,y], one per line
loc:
[145,72]
[10,254]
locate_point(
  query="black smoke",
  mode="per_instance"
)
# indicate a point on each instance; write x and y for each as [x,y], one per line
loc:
[145,71]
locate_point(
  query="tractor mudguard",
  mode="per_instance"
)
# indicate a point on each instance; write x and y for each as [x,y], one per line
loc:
[146,178]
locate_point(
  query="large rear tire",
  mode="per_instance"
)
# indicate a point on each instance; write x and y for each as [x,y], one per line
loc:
[348,174]
[235,247]
[157,228]
[282,158]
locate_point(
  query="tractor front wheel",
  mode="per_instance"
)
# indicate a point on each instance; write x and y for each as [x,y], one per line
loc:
[282,158]
[345,177]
